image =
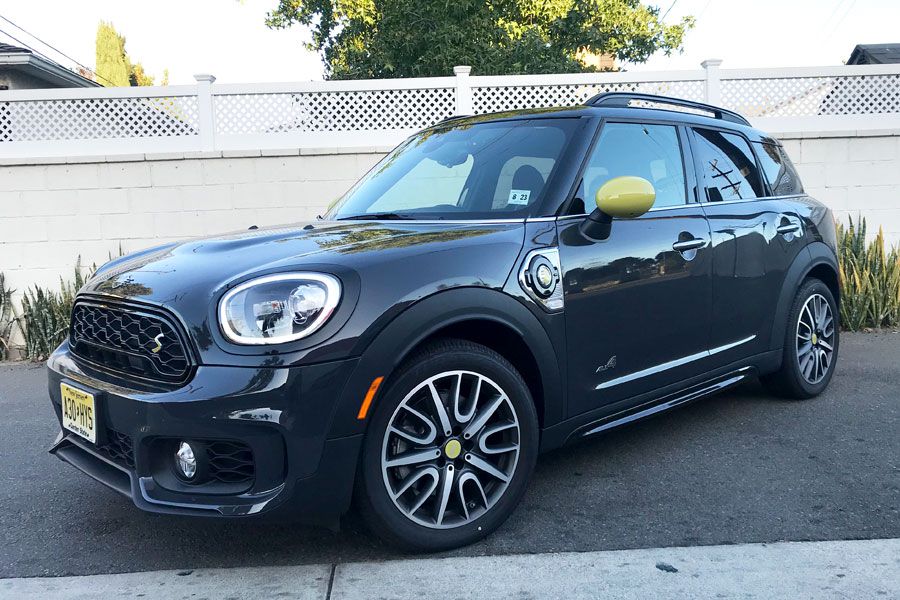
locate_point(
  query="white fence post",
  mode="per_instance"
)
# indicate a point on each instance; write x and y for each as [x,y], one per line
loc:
[713,83]
[463,90]
[205,112]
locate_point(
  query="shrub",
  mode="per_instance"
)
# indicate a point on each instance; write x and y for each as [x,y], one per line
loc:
[870,279]
[7,318]
[46,314]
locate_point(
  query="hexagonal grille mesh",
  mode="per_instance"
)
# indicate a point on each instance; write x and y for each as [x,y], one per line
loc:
[230,462]
[133,342]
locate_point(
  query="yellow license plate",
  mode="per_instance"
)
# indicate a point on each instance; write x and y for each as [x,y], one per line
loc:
[79,413]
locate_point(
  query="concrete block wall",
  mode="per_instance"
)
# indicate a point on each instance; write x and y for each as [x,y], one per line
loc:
[52,213]
[856,176]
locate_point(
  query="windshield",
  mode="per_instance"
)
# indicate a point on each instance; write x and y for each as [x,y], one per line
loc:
[470,171]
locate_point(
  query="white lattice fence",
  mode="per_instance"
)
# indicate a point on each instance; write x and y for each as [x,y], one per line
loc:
[489,98]
[84,122]
[801,96]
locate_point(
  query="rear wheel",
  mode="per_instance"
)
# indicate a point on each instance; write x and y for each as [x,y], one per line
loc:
[811,344]
[450,448]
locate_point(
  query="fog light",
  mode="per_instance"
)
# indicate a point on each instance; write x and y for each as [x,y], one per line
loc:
[186,461]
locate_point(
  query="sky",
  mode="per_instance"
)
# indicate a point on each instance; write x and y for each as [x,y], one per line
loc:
[229,39]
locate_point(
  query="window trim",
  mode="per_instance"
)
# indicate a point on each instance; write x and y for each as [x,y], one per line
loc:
[704,196]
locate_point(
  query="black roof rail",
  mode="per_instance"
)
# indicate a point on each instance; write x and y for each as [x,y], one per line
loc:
[622,100]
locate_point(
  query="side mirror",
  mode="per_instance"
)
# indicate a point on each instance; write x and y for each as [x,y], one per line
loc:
[622,198]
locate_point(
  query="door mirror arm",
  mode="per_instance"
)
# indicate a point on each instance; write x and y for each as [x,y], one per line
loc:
[596,226]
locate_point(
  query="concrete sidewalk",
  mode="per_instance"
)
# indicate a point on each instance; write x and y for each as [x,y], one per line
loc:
[795,570]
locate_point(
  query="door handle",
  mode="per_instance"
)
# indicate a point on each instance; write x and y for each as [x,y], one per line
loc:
[687,245]
[788,228]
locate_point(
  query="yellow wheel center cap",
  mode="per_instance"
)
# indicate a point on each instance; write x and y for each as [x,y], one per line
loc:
[815,339]
[452,449]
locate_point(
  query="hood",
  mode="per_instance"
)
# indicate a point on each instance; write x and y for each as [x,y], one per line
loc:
[389,261]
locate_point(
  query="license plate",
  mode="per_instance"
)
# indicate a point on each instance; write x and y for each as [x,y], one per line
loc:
[79,414]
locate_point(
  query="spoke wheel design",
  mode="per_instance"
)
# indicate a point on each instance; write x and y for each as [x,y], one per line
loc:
[815,338]
[450,449]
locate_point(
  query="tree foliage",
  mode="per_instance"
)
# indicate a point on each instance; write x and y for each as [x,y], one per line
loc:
[421,38]
[113,65]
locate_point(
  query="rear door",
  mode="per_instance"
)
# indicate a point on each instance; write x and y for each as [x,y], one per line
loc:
[637,304]
[755,237]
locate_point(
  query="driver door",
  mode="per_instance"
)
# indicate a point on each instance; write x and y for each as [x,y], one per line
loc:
[638,303]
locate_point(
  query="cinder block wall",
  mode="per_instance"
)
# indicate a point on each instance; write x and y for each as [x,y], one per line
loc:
[52,213]
[854,176]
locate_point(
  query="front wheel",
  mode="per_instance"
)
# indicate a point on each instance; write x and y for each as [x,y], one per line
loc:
[450,448]
[811,344]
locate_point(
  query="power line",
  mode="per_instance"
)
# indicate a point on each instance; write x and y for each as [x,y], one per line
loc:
[671,6]
[57,50]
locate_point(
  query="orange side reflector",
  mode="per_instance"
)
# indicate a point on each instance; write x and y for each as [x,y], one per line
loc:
[367,401]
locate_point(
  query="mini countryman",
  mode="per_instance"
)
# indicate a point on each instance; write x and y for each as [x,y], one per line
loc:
[496,287]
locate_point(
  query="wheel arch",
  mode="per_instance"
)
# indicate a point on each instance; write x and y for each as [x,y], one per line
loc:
[487,317]
[817,260]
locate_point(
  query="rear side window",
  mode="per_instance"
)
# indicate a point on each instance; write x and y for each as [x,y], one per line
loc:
[727,166]
[777,168]
[643,150]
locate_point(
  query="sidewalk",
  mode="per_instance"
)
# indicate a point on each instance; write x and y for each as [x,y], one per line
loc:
[795,570]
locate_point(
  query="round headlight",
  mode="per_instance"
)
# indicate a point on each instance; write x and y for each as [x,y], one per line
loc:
[278,308]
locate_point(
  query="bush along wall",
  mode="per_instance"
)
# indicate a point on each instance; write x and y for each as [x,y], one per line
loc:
[870,279]
[7,318]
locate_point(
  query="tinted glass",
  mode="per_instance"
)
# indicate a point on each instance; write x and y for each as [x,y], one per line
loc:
[485,170]
[778,170]
[727,166]
[649,151]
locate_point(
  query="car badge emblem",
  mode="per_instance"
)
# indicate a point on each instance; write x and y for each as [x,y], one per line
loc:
[158,339]
[610,364]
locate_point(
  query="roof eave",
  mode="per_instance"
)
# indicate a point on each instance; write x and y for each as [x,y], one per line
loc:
[45,70]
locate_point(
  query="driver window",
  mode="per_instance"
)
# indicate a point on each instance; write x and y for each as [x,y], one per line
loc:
[649,151]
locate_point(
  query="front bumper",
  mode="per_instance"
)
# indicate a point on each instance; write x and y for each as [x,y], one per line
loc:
[283,415]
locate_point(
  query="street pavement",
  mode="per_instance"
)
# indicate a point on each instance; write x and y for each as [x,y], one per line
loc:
[737,468]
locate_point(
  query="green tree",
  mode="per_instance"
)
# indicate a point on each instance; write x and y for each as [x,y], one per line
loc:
[421,38]
[113,65]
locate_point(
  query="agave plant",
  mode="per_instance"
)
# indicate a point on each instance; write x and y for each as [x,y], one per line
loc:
[46,314]
[870,279]
[7,318]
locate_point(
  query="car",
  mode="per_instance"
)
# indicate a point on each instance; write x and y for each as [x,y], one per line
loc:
[496,287]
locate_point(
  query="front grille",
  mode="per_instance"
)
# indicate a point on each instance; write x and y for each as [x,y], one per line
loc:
[131,341]
[230,462]
[118,448]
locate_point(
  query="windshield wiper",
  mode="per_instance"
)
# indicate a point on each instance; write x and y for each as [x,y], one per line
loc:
[385,216]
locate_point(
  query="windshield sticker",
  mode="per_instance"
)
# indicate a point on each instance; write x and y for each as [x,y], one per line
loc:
[519,197]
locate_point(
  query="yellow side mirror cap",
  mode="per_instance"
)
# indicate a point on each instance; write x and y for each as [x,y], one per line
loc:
[626,197]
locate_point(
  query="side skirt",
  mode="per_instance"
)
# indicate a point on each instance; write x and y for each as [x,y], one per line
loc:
[665,403]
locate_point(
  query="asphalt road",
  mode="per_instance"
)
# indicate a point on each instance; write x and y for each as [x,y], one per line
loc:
[739,467]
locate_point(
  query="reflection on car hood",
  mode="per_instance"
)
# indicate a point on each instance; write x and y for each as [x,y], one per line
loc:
[166,273]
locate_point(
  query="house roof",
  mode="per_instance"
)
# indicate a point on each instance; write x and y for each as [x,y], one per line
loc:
[25,60]
[875,54]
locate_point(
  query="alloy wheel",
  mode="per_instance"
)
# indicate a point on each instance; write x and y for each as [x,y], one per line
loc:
[815,338]
[450,449]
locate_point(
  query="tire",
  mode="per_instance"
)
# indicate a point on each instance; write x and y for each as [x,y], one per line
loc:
[799,378]
[474,502]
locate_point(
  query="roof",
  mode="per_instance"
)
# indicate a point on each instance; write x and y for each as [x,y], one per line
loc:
[10,49]
[875,54]
[612,112]
[25,60]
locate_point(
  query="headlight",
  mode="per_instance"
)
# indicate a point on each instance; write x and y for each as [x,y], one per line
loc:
[278,308]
